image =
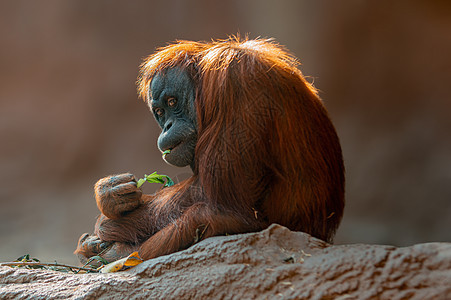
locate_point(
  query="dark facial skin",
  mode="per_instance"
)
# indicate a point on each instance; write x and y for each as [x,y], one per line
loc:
[171,100]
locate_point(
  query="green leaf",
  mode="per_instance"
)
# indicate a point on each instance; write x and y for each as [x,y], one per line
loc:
[141,182]
[169,181]
[99,259]
[24,258]
[156,178]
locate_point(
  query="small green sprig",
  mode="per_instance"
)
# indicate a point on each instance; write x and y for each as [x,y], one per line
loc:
[156,178]
[166,153]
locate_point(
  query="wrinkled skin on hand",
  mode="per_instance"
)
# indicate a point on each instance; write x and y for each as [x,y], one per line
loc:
[117,195]
[91,245]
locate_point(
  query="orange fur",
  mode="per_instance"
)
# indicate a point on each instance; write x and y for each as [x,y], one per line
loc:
[267,151]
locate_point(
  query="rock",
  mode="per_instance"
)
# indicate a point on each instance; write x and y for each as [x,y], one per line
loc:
[271,264]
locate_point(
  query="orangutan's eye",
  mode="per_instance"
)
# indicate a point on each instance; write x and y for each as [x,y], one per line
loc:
[172,102]
[159,112]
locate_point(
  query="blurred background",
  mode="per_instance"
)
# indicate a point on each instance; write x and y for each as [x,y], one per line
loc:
[69,111]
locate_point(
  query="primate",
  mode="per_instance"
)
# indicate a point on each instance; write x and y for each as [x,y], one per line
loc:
[257,137]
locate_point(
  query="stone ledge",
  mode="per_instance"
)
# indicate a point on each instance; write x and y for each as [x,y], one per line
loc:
[273,263]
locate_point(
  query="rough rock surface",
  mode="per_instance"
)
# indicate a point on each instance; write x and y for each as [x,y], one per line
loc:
[271,264]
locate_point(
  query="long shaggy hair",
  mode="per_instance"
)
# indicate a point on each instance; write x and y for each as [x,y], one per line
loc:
[267,151]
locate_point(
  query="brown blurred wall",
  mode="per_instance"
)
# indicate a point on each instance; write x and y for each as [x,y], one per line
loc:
[69,113]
